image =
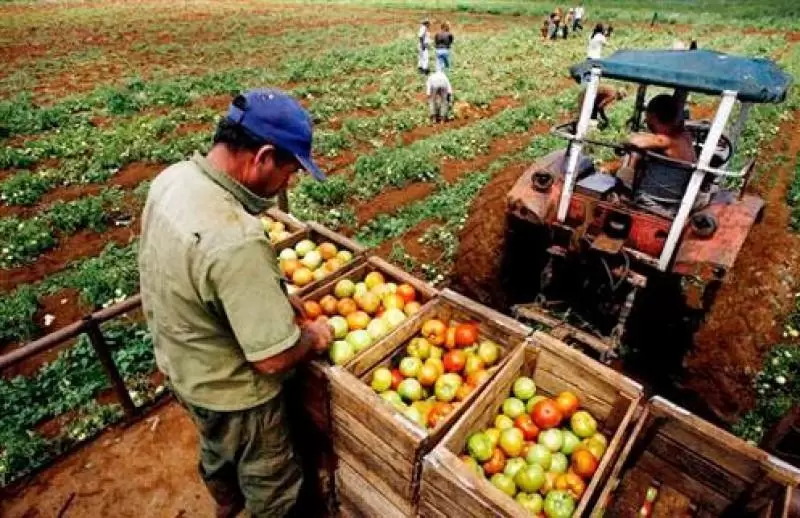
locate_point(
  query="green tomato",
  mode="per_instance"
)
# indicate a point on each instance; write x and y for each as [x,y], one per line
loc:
[513,407]
[571,441]
[480,447]
[583,424]
[533,503]
[559,463]
[559,504]
[514,465]
[530,478]
[524,388]
[504,483]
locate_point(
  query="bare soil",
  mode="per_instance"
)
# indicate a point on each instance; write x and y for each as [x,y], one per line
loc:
[746,319]
[148,469]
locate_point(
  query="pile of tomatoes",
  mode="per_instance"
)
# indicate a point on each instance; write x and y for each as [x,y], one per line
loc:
[308,262]
[442,367]
[540,451]
[360,313]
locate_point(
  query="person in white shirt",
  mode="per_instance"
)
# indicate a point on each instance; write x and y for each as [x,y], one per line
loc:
[423,44]
[578,18]
[598,39]
[440,96]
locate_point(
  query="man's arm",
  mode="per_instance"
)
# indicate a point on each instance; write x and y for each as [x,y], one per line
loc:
[649,141]
[246,288]
[314,339]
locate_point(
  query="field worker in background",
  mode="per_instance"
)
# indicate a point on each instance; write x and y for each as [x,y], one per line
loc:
[606,96]
[555,23]
[443,41]
[440,96]
[567,22]
[596,42]
[424,43]
[224,330]
[577,20]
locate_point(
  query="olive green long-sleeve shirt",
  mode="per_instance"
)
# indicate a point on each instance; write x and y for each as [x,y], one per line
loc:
[211,288]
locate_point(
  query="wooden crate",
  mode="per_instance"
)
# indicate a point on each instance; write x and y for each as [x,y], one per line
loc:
[378,441]
[293,225]
[319,234]
[702,470]
[613,399]
[358,498]
[314,385]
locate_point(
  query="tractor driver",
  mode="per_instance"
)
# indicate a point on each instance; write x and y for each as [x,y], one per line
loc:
[661,185]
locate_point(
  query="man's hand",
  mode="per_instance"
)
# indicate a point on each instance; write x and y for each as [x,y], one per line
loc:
[318,334]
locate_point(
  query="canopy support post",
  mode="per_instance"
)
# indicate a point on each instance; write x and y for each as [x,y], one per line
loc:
[709,146]
[576,146]
[738,127]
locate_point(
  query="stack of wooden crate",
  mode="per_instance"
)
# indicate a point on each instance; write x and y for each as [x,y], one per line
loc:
[380,451]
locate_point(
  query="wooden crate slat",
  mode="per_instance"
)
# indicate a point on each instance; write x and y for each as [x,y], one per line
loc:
[353,439]
[350,395]
[361,498]
[666,474]
[699,468]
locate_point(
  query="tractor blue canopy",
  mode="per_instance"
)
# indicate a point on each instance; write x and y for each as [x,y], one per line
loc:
[756,80]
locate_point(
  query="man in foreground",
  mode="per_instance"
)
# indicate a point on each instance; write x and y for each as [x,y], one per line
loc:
[224,330]
[440,96]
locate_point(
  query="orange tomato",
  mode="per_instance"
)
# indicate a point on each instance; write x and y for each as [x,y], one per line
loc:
[328,304]
[571,483]
[408,292]
[496,463]
[584,464]
[428,374]
[346,306]
[312,309]
[434,331]
[568,403]
[289,266]
[357,320]
[450,338]
[327,250]
[463,392]
[466,335]
[476,378]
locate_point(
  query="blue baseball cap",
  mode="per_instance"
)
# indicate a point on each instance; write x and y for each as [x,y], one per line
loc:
[276,117]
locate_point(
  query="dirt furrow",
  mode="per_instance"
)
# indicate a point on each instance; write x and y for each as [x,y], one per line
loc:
[747,316]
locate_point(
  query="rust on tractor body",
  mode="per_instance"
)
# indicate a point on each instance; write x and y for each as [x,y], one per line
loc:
[703,258]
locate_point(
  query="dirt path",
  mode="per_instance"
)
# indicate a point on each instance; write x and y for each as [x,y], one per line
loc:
[746,320]
[148,470]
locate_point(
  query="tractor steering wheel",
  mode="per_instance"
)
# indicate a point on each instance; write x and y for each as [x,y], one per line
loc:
[699,130]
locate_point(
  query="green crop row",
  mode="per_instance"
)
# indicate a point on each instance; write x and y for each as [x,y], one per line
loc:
[101,280]
[21,115]
[69,384]
[23,240]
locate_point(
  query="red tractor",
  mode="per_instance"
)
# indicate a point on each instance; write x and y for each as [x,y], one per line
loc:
[601,247]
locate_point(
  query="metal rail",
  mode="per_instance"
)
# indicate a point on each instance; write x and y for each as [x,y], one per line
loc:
[90,324]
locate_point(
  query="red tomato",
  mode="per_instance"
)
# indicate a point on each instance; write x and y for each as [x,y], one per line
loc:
[466,335]
[568,403]
[546,414]
[438,412]
[397,377]
[407,292]
[454,360]
[529,429]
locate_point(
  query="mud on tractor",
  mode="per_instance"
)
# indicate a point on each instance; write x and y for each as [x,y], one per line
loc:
[577,241]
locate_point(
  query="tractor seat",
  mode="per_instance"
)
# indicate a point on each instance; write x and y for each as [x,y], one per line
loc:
[660,183]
